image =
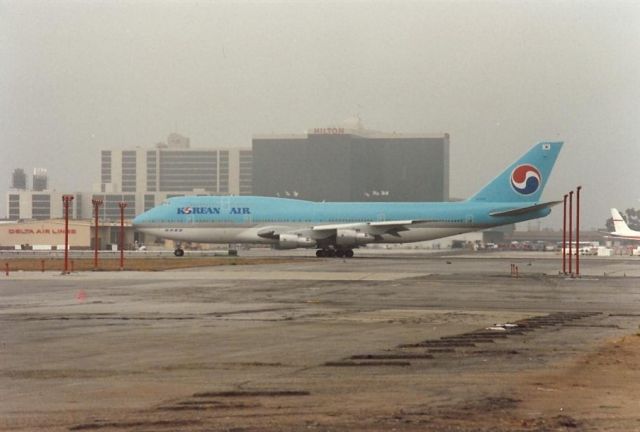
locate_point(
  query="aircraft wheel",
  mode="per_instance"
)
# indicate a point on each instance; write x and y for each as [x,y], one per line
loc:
[348,253]
[178,252]
[340,253]
[320,253]
[330,253]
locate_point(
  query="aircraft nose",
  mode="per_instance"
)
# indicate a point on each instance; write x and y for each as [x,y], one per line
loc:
[138,220]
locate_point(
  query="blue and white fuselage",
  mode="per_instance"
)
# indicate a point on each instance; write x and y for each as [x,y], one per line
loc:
[239,219]
[511,197]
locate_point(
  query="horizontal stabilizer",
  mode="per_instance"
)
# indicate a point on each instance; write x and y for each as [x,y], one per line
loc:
[524,210]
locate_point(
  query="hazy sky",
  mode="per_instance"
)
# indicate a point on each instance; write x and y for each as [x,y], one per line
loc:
[81,76]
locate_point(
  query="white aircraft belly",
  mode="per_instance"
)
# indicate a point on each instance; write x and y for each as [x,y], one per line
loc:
[208,234]
[250,234]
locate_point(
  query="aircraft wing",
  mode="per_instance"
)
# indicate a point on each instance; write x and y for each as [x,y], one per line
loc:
[360,225]
[524,210]
[377,228]
[327,230]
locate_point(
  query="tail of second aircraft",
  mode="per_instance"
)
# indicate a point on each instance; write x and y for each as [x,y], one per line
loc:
[619,225]
[525,179]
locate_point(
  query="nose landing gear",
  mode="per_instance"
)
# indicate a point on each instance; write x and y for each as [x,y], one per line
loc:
[178,252]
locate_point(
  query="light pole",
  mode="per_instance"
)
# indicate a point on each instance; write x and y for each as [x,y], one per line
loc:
[96,207]
[570,230]
[66,201]
[578,230]
[122,206]
[564,236]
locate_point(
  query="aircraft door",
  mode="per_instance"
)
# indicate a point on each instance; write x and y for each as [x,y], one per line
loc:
[469,220]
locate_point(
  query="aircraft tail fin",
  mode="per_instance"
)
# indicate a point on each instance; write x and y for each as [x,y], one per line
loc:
[525,179]
[619,225]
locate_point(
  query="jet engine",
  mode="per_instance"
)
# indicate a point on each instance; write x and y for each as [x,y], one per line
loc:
[351,237]
[293,241]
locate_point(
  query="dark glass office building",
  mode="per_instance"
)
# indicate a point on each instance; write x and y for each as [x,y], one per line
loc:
[337,164]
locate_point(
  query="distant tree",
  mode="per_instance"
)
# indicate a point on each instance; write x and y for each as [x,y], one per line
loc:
[633,218]
[609,224]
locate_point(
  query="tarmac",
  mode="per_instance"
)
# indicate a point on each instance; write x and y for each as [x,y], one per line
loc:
[385,341]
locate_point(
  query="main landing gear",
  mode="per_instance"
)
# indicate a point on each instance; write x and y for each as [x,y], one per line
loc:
[334,253]
[178,252]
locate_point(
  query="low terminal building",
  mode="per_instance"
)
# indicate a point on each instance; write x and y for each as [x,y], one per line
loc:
[49,235]
[30,204]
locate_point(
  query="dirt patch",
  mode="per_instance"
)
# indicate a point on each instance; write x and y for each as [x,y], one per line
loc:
[251,393]
[595,391]
[135,425]
[207,406]
[41,374]
[601,388]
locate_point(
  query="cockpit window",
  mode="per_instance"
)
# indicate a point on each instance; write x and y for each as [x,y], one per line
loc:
[165,202]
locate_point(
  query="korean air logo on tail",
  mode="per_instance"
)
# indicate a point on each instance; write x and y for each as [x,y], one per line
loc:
[525,179]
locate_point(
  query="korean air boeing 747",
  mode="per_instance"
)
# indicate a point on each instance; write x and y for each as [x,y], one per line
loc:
[336,228]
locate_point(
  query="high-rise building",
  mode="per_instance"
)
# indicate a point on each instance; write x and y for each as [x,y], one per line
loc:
[175,167]
[176,141]
[40,180]
[39,202]
[143,177]
[245,172]
[19,179]
[352,164]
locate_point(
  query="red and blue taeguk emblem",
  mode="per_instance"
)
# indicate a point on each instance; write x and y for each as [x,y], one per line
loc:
[525,179]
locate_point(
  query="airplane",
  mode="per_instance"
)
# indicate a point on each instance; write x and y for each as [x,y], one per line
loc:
[336,228]
[621,229]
